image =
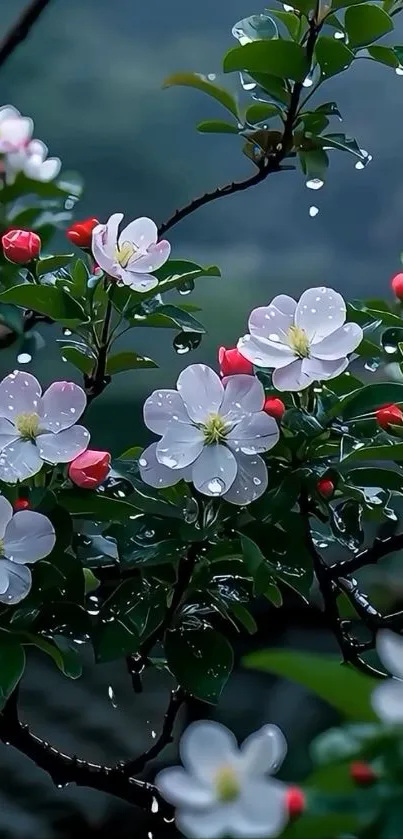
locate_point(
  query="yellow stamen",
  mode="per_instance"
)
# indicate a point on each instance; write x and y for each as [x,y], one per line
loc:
[227,784]
[1,548]
[298,341]
[27,424]
[124,253]
[215,429]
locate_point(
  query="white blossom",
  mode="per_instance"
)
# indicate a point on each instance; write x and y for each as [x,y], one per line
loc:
[212,434]
[130,256]
[25,537]
[33,161]
[223,790]
[36,428]
[304,342]
[15,130]
[387,698]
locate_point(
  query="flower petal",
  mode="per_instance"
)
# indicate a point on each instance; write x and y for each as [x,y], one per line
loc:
[260,811]
[265,353]
[387,701]
[154,473]
[29,537]
[61,406]
[318,370]
[201,391]
[180,445]
[207,824]
[340,343]
[142,232]
[4,577]
[19,461]
[320,311]
[291,377]
[104,241]
[137,282]
[49,169]
[205,746]
[19,582]
[254,433]
[285,304]
[6,514]
[155,257]
[8,433]
[8,112]
[242,395]
[215,470]
[270,323]
[19,394]
[264,750]
[250,482]
[389,647]
[160,408]
[179,787]
[65,446]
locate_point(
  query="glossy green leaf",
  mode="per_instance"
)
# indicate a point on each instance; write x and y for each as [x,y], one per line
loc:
[341,142]
[385,55]
[12,317]
[284,59]
[217,126]
[47,299]
[275,87]
[344,4]
[50,264]
[260,111]
[63,654]
[367,399]
[128,361]
[332,56]
[366,23]
[78,358]
[199,82]
[12,664]
[243,616]
[388,479]
[87,504]
[338,684]
[384,452]
[290,20]
[169,317]
[114,640]
[201,660]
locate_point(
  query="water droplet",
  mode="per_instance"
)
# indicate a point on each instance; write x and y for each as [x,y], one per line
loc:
[339,35]
[216,486]
[313,211]
[167,460]
[112,697]
[257,482]
[186,341]
[143,461]
[259,27]
[361,164]
[190,510]
[372,364]
[186,287]
[154,806]
[314,183]
[24,358]
[399,70]
[288,8]
[67,332]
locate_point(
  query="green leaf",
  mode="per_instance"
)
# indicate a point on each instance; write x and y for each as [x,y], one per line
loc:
[284,59]
[87,504]
[128,361]
[314,163]
[261,111]
[169,317]
[201,660]
[274,86]
[343,4]
[254,562]
[114,640]
[217,126]
[393,452]
[243,616]
[304,6]
[338,684]
[367,399]
[290,21]
[385,55]
[199,82]
[332,56]
[78,358]
[341,142]
[388,479]
[12,317]
[49,264]
[46,299]
[366,24]
[63,653]
[12,664]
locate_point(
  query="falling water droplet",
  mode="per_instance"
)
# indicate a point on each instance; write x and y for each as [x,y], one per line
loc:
[154,806]
[67,332]
[308,81]
[288,8]
[361,164]
[112,697]
[186,287]
[186,341]
[313,211]
[24,358]
[314,183]
[211,77]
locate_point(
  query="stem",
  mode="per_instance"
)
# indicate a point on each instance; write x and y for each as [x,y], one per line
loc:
[98,380]
[370,556]
[21,28]
[133,767]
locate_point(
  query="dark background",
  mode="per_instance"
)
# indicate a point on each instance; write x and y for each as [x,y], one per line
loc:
[90,75]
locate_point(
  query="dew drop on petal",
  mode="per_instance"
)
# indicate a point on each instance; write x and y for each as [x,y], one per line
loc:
[142,461]
[167,460]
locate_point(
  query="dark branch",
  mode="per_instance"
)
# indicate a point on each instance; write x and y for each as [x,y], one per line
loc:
[370,556]
[133,767]
[21,28]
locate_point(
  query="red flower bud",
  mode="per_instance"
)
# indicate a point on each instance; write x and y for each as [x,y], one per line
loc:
[325,487]
[21,246]
[397,286]
[362,773]
[295,801]
[80,233]
[389,414]
[89,469]
[231,362]
[21,504]
[274,407]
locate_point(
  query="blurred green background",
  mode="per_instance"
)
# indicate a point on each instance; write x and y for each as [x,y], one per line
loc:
[91,76]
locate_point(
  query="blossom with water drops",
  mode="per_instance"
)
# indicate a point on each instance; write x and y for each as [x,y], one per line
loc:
[304,342]
[36,428]
[130,256]
[25,537]
[212,434]
[226,790]
[387,698]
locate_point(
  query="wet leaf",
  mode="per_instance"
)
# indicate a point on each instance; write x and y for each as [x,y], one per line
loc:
[200,659]
[199,82]
[284,59]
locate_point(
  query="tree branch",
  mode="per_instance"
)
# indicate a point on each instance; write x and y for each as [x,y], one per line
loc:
[21,28]
[370,556]
[133,767]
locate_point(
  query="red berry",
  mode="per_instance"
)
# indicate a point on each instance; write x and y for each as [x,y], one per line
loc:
[274,407]
[90,468]
[80,233]
[362,773]
[295,801]
[389,414]
[232,362]
[325,487]
[21,246]
[21,504]
[397,286]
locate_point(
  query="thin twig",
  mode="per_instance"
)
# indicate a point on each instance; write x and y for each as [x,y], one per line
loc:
[370,556]
[21,28]
[133,767]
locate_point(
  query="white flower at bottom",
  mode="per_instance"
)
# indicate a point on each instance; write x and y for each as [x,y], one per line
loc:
[304,342]
[25,538]
[132,255]
[224,790]
[387,698]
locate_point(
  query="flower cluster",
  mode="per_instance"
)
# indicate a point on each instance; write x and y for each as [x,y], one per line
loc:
[21,153]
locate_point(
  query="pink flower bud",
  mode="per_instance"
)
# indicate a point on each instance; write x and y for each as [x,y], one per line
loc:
[89,469]
[232,362]
[21,246]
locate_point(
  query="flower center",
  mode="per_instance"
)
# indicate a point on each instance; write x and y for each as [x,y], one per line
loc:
[214,429]
[298,341]
[1,549]
[227,784]
[124,253]
[27,425]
